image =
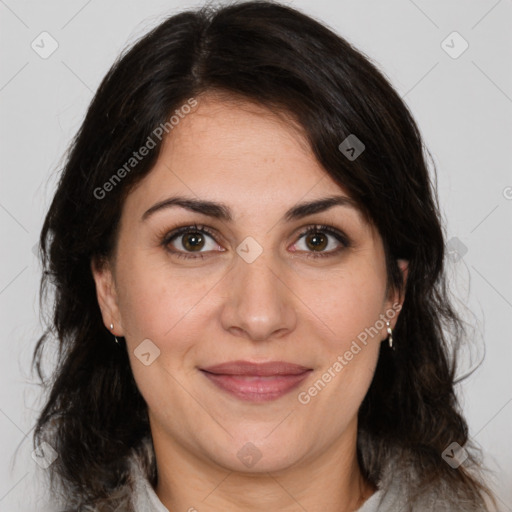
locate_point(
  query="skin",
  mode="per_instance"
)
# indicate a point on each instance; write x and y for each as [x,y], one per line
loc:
[283,306]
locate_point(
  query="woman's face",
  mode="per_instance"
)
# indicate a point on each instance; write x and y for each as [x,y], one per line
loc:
[248,288]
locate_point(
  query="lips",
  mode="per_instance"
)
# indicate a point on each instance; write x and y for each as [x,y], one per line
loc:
[256,369]
[257,382]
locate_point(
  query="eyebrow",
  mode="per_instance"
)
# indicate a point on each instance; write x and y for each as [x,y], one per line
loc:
[222,212]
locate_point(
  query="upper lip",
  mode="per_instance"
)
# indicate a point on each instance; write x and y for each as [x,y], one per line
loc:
[256,369]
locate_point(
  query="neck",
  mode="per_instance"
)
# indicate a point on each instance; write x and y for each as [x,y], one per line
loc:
[331,482]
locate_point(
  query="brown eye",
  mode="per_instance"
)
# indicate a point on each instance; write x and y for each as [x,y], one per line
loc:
[322,241]
[192,241]
[316,241]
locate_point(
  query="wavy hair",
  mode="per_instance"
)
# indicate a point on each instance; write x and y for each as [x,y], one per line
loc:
[94,416]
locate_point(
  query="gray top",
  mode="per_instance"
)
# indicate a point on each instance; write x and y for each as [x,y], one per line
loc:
[146,500]
[399,480]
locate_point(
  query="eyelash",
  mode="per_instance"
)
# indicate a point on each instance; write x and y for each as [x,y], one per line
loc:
[170,236]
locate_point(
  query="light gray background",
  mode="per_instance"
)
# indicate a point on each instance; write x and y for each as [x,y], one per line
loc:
[463,107]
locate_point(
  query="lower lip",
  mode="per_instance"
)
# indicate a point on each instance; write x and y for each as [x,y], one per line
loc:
[256,388]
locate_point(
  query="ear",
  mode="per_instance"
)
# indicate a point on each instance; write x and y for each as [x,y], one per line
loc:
[107,295]
[396,298]
[404,268]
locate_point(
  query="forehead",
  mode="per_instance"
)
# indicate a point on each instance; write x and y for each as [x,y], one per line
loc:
[238,153]
[229,128]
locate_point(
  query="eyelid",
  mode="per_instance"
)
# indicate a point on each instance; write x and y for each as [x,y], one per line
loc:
[331,230]
[340,236]
[174,233]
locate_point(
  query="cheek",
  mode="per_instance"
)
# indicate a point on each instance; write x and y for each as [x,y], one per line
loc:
[351,348]
[155,305]
[350,302]
[151,301]
[362,297]
[162,305]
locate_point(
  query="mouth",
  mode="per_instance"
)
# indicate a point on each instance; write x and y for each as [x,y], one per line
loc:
[256,382]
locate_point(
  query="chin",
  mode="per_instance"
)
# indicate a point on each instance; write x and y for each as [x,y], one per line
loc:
[258,457]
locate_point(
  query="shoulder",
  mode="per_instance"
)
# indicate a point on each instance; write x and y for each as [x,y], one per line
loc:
[399,488]
[144,497]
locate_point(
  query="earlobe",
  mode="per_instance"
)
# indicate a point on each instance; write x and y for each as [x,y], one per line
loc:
[106,295]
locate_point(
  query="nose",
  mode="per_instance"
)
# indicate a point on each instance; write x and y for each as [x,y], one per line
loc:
[259,304]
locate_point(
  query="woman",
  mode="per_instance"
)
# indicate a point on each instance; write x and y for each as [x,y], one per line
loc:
[250,299]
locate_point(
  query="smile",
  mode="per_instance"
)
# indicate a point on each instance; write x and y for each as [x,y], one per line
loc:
[257,382]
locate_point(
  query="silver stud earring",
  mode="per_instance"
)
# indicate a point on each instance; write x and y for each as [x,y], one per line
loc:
[390,335]
[115,338]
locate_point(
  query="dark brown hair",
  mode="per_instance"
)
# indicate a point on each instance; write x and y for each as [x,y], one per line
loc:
[94,416]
